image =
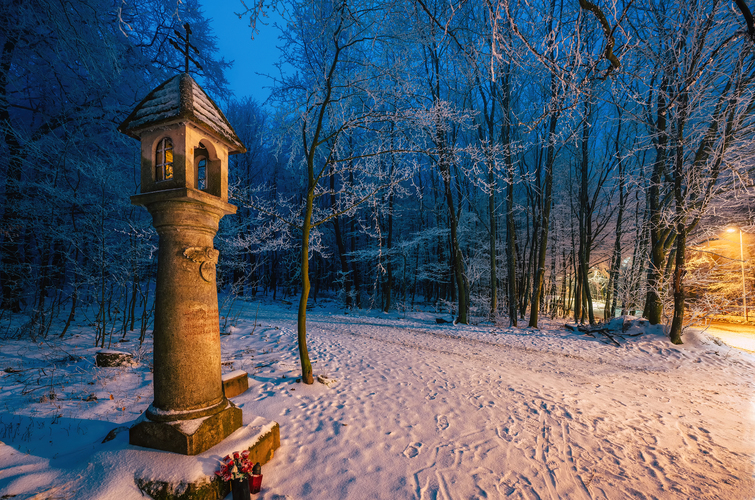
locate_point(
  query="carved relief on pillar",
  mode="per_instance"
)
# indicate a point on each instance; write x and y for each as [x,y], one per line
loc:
[207,257]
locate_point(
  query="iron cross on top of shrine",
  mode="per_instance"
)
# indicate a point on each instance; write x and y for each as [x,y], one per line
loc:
[185,51]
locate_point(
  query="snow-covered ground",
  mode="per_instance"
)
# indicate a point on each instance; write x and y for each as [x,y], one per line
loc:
[419,410]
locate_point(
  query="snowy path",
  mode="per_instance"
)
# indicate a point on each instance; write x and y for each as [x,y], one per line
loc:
[420,411]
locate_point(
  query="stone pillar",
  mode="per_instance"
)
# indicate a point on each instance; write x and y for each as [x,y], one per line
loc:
[189,413]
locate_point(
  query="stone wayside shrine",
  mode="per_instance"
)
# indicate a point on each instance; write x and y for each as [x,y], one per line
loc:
[185,144]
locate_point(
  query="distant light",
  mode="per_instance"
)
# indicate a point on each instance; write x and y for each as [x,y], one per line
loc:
[731,229]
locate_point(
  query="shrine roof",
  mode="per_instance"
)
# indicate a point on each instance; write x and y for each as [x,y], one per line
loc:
[181,97]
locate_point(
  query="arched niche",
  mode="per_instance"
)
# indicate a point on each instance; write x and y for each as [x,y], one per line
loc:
[207,168]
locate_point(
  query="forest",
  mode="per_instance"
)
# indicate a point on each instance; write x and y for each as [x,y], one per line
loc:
[499,160]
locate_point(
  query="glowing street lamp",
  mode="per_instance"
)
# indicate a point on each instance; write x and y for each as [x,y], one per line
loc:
[742,262]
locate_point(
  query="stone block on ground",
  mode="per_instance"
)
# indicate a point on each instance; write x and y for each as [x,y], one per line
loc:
[167,476]
[109,358]
[235,383]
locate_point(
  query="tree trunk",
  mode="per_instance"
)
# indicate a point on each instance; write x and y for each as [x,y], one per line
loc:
[388,284]
[510,223]
[74,294]
[525,286]
[676,325]
[653,304]
[681,230]
[458,262]
[579,316]
[486,140]
[585,221]
[613,289]
[339,242]
[353,247]
[511,249]
[491,245]
[306,366]
[537,286]
[511,244]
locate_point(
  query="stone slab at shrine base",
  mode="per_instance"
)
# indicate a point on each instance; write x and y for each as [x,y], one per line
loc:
[235,383]
[187,437]
[178,477]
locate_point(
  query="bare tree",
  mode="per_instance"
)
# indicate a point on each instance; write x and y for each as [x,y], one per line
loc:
[337,99]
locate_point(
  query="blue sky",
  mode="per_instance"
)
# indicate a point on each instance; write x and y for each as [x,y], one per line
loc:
[235,43]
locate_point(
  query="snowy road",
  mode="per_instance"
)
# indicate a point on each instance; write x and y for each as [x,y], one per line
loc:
[426,411]
[734,334]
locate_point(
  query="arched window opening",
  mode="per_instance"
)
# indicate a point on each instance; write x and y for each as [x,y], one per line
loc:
[200,160]
[164,160]
[202,174]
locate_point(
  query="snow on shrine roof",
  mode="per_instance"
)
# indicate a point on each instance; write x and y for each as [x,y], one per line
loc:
[181,97]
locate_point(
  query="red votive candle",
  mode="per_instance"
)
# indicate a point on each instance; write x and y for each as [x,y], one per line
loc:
[255,480]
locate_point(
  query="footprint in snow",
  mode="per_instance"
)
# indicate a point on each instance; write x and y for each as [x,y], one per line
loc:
[441,422]
[412,450]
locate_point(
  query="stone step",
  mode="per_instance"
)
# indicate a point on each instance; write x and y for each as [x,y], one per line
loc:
[193,477]
[235,383]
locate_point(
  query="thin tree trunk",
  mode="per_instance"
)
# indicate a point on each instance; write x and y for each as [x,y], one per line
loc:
[492,243]
[388,284]
[132,306]
[541,239]
[675,334]
[537,287]
[653,303]
[510,222]
[72,313]
[145,314]
[676,325]
[578,282]
[306,365]
[353,243]
[511,249]
[456,256]
[486,140]
[339,242]
[613,289]
[585,220]
[458,263]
